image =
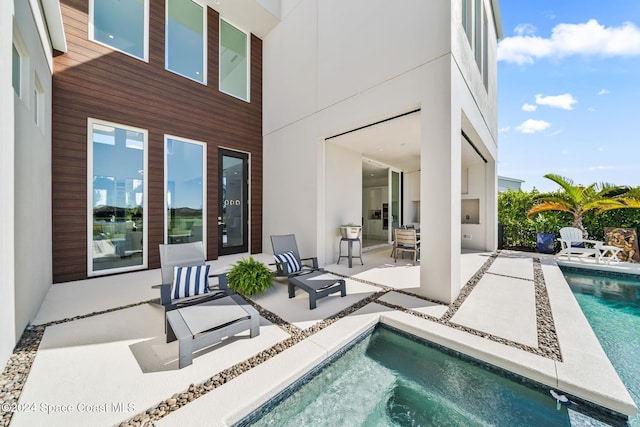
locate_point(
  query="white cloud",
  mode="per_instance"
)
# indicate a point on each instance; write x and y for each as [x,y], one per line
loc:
[529,107]
[564,101]
[603,92]
[589,38]
[533,126]
[524,29]
[504,129]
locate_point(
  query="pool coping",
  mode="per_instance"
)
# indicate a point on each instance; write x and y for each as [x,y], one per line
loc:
[284,369]
[304,349]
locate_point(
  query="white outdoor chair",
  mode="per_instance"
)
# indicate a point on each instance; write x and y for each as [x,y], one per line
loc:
[572,243]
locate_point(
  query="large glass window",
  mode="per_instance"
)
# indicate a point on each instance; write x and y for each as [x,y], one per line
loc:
[185,40]
[185,169]
[121,24]
[16,69]
[234,61]
[117,198]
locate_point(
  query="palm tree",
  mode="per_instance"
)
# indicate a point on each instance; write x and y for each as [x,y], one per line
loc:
[578,199]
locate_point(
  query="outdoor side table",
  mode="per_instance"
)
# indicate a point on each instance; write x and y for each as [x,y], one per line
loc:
[350,255]
[317,284]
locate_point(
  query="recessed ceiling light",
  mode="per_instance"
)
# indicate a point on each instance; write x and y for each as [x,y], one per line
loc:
[111,36]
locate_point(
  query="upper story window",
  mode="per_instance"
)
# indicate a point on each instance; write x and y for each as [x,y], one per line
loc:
[185,47]
[234,61]
[485,49]
[122,25]
[467,18]
[16,69]
[476,27]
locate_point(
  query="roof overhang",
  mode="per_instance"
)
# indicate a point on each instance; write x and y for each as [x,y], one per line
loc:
[53,17]
[497,19]
[256,16]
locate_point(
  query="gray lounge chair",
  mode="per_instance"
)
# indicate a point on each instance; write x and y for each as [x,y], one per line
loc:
[287,243]
[313,280]
[198,321]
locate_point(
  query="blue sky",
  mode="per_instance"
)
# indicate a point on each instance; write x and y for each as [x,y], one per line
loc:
[569,91]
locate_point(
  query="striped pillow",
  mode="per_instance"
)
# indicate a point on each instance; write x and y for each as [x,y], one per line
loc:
[290,260]
[190,281]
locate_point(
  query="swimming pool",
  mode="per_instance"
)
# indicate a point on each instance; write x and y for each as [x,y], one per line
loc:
[611,304]
[390,379]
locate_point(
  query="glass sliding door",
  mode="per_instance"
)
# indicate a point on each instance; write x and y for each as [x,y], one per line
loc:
[233,216]
[117,214]
[185,190]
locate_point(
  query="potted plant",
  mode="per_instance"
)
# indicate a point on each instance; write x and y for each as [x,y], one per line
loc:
[249,277]
[545,226]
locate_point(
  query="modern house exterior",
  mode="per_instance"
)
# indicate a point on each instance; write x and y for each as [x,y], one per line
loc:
[225,122]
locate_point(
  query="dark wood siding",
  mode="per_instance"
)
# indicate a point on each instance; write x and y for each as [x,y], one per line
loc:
[94,81]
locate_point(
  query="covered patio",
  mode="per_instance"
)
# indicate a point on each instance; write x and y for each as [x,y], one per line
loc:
[96,352]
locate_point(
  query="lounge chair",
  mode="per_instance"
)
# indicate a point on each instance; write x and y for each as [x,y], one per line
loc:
[572,243]
[406,241]
[290,264]
[313,280]
[196,314]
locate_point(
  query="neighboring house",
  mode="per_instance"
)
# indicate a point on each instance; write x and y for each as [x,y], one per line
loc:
[140,122]
[505,184]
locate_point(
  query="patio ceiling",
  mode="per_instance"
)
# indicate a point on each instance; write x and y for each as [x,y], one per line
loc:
[396,143]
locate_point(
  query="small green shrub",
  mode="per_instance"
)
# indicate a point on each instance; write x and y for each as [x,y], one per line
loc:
[249,277]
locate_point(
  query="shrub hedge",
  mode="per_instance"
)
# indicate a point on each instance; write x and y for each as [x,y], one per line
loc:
[520,233]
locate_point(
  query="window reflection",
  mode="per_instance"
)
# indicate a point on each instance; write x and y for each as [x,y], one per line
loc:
[234,64]
[185,41]
[118,198]
[233,201]
[121,25]
[185,191]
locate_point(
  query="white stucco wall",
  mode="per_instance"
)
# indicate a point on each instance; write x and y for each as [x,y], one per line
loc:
[333,66]
[32,176]
[342,180]
[7,218]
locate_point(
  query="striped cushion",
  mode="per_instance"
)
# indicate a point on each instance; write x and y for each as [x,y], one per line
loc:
[292,262]
[190,281]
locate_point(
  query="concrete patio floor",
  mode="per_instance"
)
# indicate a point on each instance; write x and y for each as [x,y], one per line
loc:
[103,360]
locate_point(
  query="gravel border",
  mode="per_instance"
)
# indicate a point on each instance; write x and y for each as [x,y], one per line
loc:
[17,370]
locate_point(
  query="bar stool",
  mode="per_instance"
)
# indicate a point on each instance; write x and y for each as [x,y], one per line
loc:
[350,255]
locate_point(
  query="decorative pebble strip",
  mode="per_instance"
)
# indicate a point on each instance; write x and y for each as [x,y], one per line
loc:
[17,370]
[19,364]
[18,367]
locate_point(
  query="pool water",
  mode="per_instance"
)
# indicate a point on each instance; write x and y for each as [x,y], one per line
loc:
[389,379]
[611,304]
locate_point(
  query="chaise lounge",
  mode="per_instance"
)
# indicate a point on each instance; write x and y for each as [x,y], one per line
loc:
[196,314]
[314,281]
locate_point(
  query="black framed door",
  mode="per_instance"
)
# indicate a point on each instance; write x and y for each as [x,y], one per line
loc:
[233,203]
